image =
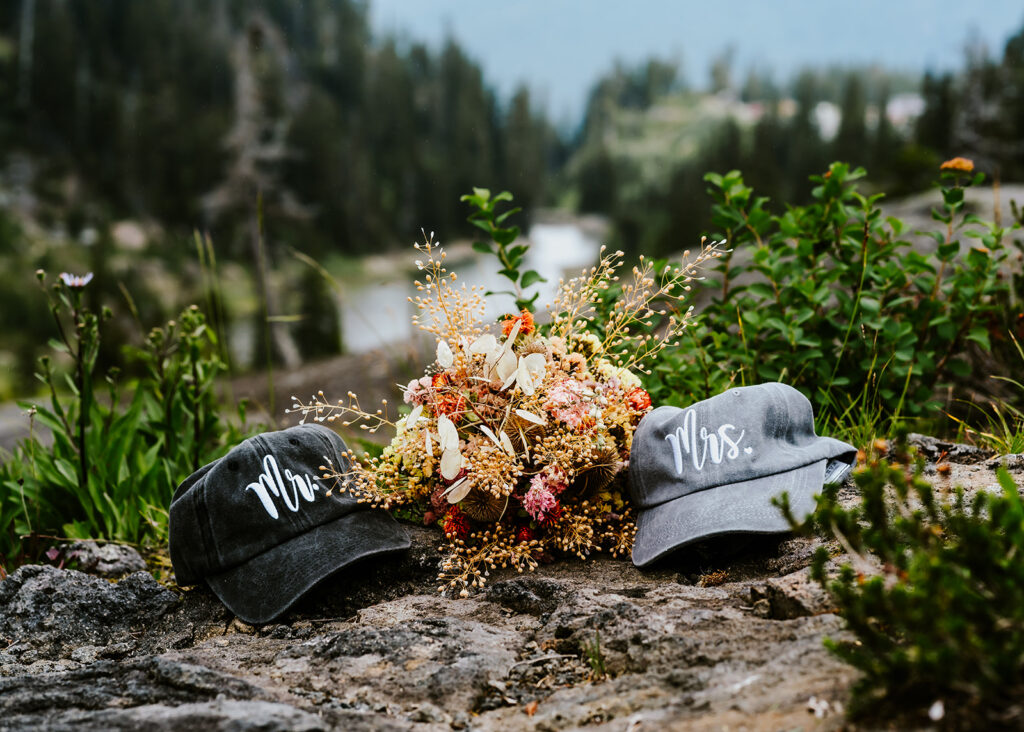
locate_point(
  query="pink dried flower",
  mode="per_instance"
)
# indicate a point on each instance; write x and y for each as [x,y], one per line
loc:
[539,501]
[416,392]
[565,402]
[555,479]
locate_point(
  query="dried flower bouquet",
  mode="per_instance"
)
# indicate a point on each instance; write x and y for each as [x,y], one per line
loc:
[516,438]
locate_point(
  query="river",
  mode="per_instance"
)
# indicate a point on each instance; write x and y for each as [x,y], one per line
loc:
[377,312]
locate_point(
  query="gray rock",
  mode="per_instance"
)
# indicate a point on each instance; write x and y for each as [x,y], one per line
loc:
[531,595]
[110,684]
[363,654]
[57,610]
[795,595]
[220,714]
[932,448]
[575,644]
[105,560]
[1012,463]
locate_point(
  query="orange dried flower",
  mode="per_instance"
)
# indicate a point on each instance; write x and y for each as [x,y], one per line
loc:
[552,515]
[440,381]
[452,406]
[639,400]
[574,364]
[958,164]
[455,524]
[525,316]
[449,402]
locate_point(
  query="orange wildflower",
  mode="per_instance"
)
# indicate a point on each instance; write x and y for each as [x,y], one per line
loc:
[639,400]
[449,402]
[455,524]
[525,317]
[440,381]
[452,406]
[958,164]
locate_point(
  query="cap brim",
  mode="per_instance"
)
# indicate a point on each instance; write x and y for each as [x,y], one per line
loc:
[264,587]
[738,508]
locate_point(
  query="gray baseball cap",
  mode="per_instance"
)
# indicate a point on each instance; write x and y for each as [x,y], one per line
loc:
[258,527]
[714,467]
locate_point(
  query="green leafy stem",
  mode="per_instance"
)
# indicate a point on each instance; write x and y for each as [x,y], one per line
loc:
[502,244]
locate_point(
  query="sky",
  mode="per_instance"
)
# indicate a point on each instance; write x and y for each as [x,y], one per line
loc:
[559,48]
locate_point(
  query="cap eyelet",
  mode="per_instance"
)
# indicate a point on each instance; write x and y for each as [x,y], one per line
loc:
[293,441]
[232,465]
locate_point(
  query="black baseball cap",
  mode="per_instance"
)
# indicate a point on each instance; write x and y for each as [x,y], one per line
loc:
[713,468]
[258,526]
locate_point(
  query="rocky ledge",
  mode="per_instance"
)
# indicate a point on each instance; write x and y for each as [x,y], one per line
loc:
[729,636]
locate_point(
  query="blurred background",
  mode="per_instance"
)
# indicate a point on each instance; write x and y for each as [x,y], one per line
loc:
[273,161]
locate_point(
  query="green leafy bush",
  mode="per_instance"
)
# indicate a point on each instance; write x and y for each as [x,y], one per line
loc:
[831,298]
[117,457]
[502,244]
[934,596]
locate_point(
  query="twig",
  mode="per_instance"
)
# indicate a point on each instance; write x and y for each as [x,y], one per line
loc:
[530,661]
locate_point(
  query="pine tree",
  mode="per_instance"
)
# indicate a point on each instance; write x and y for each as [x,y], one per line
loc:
[851,139]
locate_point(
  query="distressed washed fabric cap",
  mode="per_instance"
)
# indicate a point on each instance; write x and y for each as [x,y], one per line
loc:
[714,467]
[258,526]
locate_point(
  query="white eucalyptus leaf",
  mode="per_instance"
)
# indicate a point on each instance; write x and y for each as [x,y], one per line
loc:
[484,345]
[490,433]
[506,368]
[447,435]
[445,357]
[531,417]
[451,463]
[536,363]
[459,490]
[509,381]
[524,379]
[512,335]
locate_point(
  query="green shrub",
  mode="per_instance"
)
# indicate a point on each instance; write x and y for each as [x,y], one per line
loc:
[831,298]
[115,460]
[934,596]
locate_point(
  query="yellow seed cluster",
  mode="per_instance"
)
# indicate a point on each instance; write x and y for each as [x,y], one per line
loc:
[469,563]
[646,299]
[493,470]
[445,310]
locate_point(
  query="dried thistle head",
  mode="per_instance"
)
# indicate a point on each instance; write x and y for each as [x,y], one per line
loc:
[600,473]
[482,505]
